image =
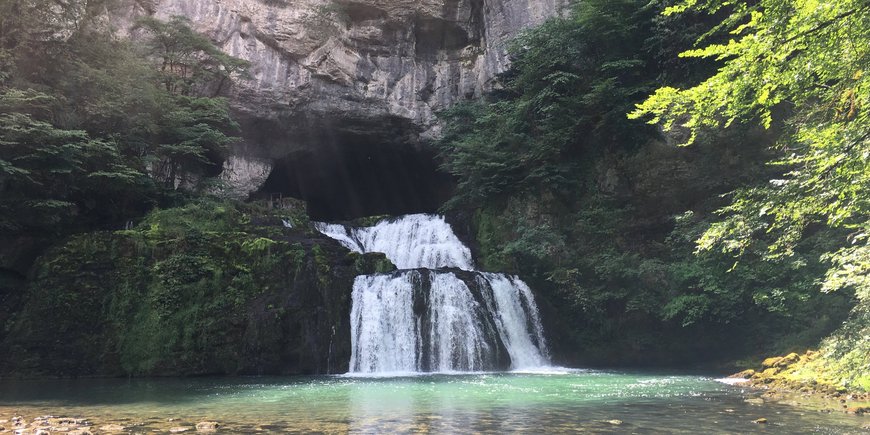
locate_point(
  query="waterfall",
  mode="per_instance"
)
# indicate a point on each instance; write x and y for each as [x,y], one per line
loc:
[437,313]
[410,242]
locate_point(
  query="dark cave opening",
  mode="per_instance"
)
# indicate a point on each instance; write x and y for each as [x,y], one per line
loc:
[359,176]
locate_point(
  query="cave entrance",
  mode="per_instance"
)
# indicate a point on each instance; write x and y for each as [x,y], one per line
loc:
[359,176]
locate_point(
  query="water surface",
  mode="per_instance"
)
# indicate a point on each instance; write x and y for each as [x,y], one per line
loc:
[557,401]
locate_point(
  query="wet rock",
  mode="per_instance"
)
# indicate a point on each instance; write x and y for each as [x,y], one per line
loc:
[771,362]
[761,420]
[207,426]
[755,401]
[788,360]
[746,374]
[112,428]
[858,410]
[615,422]
[180,429]
[82,431]
[66,421]
[766,375]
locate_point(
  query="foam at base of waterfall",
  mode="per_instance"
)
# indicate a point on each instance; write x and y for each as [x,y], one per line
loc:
[410,242]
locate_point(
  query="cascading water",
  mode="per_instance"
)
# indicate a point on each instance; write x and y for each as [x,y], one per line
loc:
[424,318]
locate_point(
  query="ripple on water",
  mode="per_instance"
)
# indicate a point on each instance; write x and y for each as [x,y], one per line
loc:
[488,402]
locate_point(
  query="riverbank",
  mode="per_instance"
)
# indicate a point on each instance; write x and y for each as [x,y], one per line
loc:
[804,380]
[48,424]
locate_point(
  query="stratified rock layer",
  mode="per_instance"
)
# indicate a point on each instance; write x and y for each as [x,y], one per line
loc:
[335,73]
[320,61]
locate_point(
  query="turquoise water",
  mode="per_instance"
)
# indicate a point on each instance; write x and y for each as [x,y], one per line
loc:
[571,400]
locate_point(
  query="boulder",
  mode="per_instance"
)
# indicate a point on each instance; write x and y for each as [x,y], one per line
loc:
[787,360]
[746,374]
[771,362]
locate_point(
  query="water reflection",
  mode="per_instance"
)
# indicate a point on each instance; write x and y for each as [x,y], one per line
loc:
[594,402]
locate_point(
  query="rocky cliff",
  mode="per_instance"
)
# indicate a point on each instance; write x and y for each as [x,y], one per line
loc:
[328,74]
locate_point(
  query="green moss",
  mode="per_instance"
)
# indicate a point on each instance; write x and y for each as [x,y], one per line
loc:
[171,296]
[365,264]
[491,232]
[321,261]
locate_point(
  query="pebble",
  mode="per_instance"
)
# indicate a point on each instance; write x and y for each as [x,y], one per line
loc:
[761,420]
[755,401]
[207,426]
[112,428]
[180,429]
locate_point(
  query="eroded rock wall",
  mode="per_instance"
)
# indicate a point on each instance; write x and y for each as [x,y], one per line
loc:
[374,67]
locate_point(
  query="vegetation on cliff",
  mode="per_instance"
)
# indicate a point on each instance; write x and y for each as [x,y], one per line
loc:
[95,129]
[208,288]
[725,241]
[802,64]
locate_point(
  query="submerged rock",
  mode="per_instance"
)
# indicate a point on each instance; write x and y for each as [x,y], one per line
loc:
[858,410]
[207,426]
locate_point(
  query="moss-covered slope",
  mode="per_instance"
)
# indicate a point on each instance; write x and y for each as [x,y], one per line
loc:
[209,288]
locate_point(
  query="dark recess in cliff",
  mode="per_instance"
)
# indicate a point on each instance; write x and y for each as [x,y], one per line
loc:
[353,174]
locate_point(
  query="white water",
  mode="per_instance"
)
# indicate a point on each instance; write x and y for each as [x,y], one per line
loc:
[516,311]
[410,242]
[384,339]
[457,334]
[454,327]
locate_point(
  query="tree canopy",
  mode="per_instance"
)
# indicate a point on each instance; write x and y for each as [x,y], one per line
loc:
[803,63]
[94,128]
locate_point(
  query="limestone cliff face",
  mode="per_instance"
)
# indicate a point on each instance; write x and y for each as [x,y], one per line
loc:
[329,70]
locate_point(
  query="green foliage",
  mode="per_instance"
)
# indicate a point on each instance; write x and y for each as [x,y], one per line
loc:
[176,294]
[803,63]
[86,117]
[188,62]
[807,56]
[51,176]
[564,100]
[591,206]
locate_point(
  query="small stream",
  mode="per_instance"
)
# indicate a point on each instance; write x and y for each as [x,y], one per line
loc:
[559,400]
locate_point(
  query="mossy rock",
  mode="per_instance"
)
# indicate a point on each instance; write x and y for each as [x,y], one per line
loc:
[202,289]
